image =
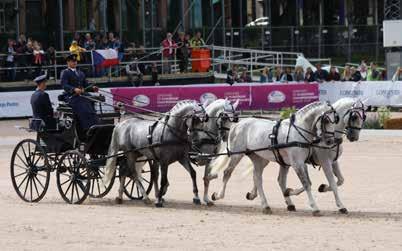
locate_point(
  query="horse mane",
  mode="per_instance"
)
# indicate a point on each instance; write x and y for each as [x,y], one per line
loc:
[182,103]
[308,108]
[213,108]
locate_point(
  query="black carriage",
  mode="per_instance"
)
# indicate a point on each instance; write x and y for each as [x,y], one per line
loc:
[78,158]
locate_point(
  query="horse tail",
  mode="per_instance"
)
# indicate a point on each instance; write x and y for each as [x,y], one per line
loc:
[110,168]
[221,161]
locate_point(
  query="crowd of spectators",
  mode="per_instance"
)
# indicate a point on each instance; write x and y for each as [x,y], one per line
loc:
[299,74]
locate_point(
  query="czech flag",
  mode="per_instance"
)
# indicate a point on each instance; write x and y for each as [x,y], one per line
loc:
[105,58]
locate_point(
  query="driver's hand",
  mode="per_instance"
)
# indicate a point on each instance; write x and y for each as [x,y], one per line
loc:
[95,88]
[78,91]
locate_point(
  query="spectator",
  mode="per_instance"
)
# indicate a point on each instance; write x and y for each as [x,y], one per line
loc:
[111,40]
[119,47]
[232,76]
[89,43]
[104,43]
[92,25]
[98,41]
[169,47]
[134,73]
[373,74]
[245,77]
[398,75]
[154,74]
[38,56]
[299,74]
[356,76]
[266,75]
[278,74]
[21,57]
[50,57]
[320,74]
[10,60]
[77,37]
[333,74]
[347,75]
[287,75]
[76,49]
[309,76]
[197,41]
[363,69]
[383,75]
[183,52]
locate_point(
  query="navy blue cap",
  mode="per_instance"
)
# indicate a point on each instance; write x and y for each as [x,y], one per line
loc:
[40,79]
[71,57]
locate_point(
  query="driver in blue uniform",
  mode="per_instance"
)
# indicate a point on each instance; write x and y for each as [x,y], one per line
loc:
[76,87]
[41,106]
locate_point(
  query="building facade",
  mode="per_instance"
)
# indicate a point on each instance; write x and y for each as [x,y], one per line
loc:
[288,26]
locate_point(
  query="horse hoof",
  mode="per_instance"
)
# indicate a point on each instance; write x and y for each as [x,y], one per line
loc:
[322,188]
[267,210]
[291,208]
[210,204]
[147,201]
[343,211]
[196,201]
[317,213]
[287,192]
[119,200]
[214,197]
[159,204]
[249,197]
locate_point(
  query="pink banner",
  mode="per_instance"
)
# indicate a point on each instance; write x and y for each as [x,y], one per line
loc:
[251,96]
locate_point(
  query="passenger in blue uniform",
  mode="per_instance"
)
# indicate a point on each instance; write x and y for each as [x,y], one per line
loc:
[41,105]
[76,87]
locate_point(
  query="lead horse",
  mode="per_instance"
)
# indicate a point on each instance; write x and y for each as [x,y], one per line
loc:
[165,141]
[352,115]
[313,125]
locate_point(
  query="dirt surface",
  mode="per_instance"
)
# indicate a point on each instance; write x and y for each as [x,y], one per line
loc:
[372,168]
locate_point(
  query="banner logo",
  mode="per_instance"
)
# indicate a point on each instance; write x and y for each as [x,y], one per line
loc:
[141,100]
[276,97]
[208,96]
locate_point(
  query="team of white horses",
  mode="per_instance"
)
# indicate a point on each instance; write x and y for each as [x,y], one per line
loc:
[213,135]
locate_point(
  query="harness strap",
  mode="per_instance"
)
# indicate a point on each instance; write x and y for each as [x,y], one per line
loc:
[274,142]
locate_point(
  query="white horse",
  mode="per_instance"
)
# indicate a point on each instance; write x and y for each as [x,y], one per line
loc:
[208,136]
[165,141]
[311,125]
[352,116]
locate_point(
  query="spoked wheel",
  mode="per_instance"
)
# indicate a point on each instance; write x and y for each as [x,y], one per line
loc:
[30,172]
[131,190]
[72,177]
[97,166]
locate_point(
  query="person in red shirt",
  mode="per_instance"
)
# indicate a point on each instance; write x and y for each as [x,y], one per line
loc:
[168,52]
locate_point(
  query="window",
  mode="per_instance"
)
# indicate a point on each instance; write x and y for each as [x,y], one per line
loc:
[7,16]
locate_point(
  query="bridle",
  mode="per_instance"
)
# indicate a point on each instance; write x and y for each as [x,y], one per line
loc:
[354,113]
[323,119]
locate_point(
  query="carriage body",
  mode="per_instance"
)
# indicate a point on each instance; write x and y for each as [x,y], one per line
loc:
[77,157]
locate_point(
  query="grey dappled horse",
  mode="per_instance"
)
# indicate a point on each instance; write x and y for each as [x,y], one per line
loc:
[170,137]
[311,125]
[208,136]
[352,116]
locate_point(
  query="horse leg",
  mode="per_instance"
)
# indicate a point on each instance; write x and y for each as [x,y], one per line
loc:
[234,160]
[327,168]
[206,185]
[155,175]
[187,165]
[253,193]
[119,198]
[259,165]
[282,181]
[164,185]
[300,169]
[337,172]
[139,180]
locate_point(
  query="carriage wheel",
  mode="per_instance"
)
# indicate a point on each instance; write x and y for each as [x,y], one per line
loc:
[97,172]
[30,172]
[72,177]
[131,190]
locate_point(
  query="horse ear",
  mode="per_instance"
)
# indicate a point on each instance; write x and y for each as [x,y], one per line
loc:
[236,104]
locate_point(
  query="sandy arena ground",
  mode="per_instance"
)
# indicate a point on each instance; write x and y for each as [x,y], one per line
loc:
[372,168]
